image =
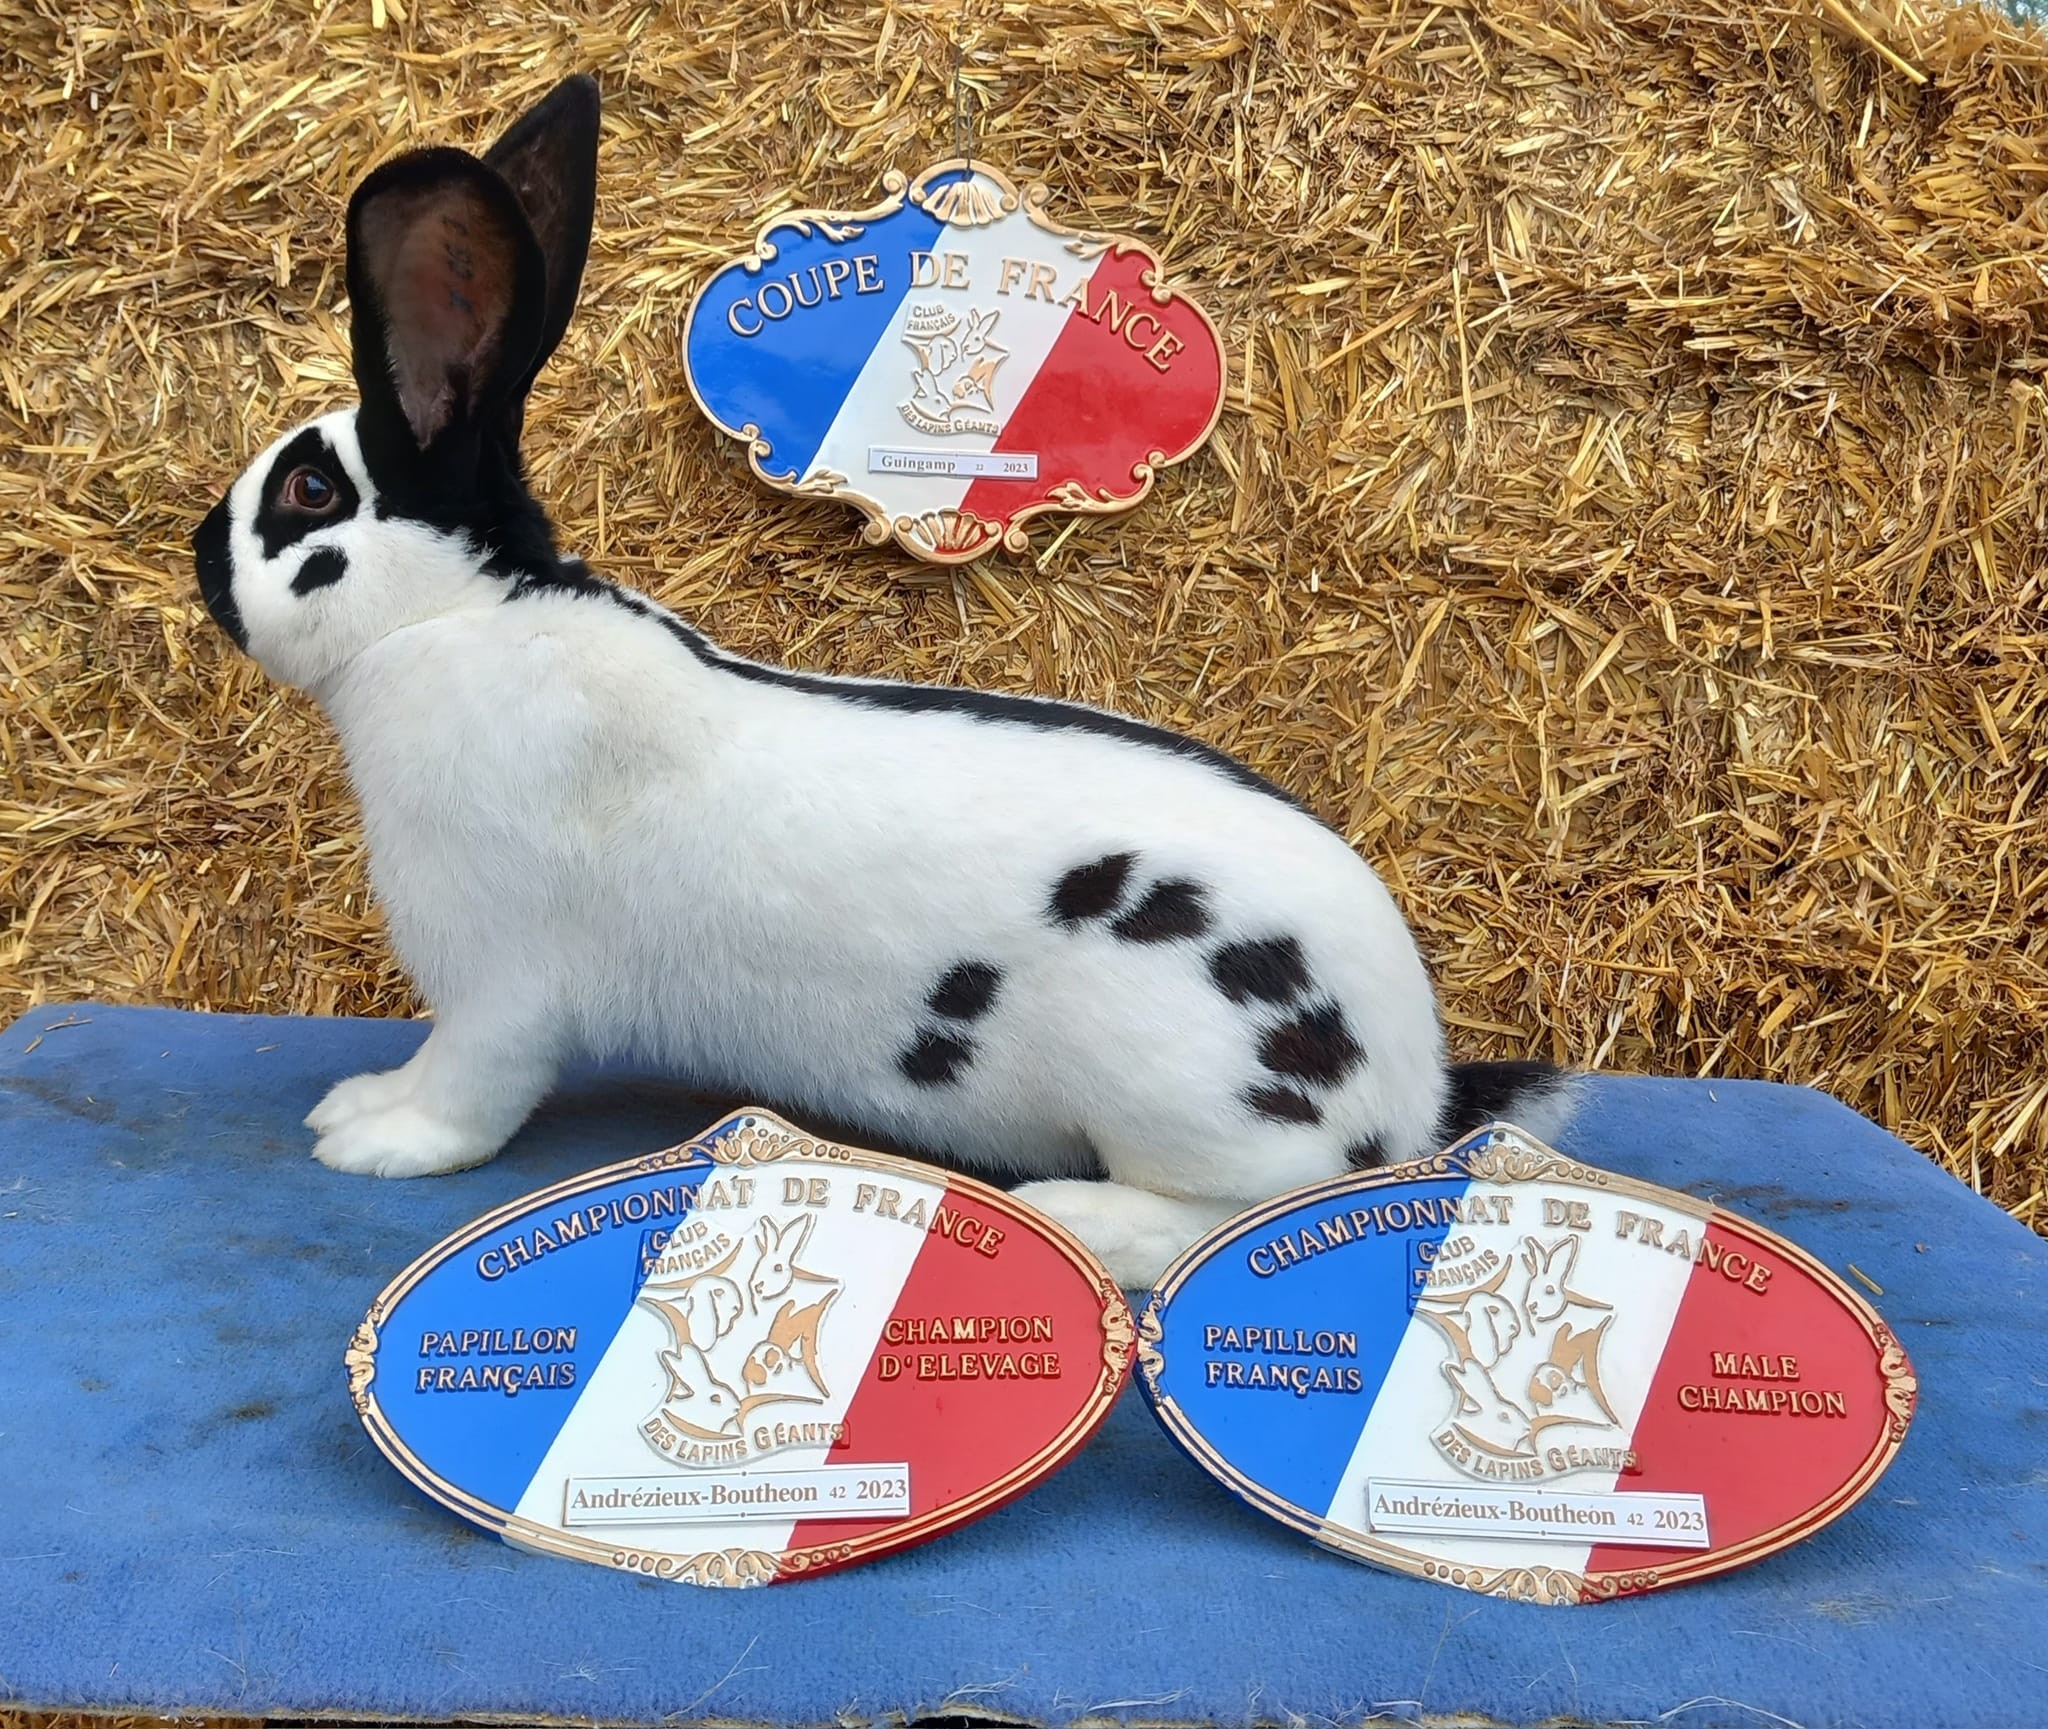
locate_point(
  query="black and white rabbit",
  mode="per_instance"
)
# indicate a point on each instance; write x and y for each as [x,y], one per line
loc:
[1032,937]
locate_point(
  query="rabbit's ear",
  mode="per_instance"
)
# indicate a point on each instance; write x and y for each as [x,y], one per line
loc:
[549,158]
[799,1233]
[448,296]
[674,1365]
[1529,1255]
[1561,1257]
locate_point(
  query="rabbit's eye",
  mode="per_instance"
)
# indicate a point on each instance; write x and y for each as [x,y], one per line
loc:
[309,489]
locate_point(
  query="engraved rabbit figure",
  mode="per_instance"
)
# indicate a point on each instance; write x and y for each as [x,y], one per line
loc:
[1483,1414]
[975,388]
[1518,1362]
[937,355]
[697,1400]
[775,1264]
[709,1307]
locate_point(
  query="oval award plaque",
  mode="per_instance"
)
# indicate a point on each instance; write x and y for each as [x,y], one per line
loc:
[752,1358]
[1502,1369]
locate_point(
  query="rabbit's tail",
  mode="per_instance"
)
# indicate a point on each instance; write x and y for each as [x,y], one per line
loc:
[1535,1096]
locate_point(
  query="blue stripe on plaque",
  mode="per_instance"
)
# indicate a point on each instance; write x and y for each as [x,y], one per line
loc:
[792,387]
[543,1300]
[1296,1443]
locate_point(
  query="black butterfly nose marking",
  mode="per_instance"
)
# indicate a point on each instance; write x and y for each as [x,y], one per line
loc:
[216,574]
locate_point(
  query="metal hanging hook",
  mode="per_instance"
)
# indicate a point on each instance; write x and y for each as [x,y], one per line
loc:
[963,133]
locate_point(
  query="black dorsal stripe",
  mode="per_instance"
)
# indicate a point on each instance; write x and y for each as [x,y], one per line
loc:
[1048,714]
[278,527]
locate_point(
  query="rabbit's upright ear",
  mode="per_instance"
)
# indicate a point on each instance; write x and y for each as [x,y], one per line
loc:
[674,1365]
[549,159]
[448,297]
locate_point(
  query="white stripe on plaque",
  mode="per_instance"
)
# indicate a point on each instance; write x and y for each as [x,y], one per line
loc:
[1027,320]
[1410,1429]
[603,1439]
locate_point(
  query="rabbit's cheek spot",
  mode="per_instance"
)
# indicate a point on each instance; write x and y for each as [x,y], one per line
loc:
[1091,891]
[1268,970]
[322,569]
[1314,1045]
[967,992]
[1172,912]
[936,1060]
[1283,1105]
[1365,1155]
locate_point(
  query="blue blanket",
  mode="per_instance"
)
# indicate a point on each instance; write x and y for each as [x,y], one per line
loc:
[194,1521]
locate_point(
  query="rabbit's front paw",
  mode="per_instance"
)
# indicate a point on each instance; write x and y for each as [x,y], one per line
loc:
[358,1096]
[401,1141]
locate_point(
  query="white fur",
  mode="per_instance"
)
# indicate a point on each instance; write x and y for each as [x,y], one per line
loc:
[590,842]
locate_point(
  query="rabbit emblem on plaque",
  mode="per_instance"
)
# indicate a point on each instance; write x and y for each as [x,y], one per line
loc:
[952,386]
[743,1333]
[1524,1356]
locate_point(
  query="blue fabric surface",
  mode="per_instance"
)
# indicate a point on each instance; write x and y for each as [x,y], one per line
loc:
[191,1518]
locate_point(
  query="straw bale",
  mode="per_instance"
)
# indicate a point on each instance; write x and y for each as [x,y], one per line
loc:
[78,1720]
[1627,524]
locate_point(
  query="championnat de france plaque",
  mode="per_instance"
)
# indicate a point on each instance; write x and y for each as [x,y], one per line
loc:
[1505,1370]
[756,1357]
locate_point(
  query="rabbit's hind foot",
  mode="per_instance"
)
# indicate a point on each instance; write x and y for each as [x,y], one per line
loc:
[1133,1232]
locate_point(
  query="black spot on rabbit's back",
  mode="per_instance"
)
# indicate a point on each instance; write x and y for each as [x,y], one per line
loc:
[321,569]
[1267,970]
[1314,1045]
[1170,912]
[936,1059]
[1091,891]
[1365,1155]
[966,992]
[1283,1105]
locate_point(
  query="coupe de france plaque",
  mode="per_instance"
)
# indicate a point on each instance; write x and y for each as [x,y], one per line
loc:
[752,1358]
[1505,1370]
[953,361]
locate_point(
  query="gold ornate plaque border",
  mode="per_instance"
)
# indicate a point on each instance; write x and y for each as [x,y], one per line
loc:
[954,536]
[1503,1153]
[748,1137]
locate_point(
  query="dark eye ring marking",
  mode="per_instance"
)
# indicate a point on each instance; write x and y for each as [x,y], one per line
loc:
[307,489]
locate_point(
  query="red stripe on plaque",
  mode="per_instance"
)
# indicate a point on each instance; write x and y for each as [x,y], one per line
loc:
[1113,389]
[948,1419]
[1765,1403]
